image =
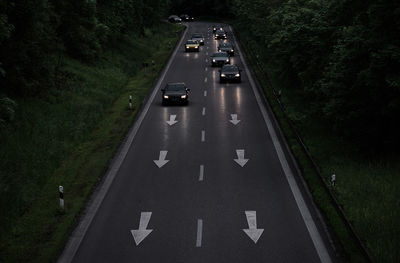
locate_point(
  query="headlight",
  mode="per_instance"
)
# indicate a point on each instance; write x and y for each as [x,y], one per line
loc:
[213,60]
[223,75]
[237,75]
[231,50]
[227,60]
[196,47]
[165,97]
[183,97]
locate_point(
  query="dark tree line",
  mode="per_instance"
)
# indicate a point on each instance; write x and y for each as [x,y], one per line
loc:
[342,57]
[35,33]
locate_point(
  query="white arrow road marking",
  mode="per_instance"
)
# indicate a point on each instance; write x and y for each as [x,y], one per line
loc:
[240,160]
[161,160]
[252,231]
[234,120]
[140,234]
[172,120]
[199,232]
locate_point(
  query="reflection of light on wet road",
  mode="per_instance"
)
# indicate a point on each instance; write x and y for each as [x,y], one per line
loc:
[238,97]
[222,98]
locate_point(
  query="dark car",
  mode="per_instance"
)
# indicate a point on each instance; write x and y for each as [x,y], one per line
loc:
[192,45]
[220,34]
[227,47]
[186,18]
[215,28]
[199,38]
[175,93]
[220,59]
[230,73]
[174,19]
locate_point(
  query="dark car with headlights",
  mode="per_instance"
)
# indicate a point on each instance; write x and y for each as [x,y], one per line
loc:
[220,59]
[215,28]
[220,34]
[175,93]
[199,38]
[186,18]
[230,73]
[227,47]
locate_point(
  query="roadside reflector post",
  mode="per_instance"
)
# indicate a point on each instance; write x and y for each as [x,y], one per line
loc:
[130,101]
[61,191]
[333,180]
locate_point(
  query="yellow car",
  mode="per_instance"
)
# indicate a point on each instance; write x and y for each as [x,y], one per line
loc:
[192,45]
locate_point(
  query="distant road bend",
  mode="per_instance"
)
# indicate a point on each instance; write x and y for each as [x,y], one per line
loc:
[207,182]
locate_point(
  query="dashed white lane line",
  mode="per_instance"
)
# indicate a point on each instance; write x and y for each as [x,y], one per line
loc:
[206,69]
[203,136]
[205,93]
[199,232]
[207,53]
[205,80]
[206,60]
[204,111]
[201,176]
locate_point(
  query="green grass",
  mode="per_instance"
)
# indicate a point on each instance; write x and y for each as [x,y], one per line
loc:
[67,137]
[367,187]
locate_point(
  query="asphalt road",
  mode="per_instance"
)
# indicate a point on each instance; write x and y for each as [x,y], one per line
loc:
[202,205]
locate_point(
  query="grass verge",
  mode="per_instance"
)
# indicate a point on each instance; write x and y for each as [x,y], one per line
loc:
[67,137]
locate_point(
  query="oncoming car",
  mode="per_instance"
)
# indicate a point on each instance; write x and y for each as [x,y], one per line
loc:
[230,73]
[174,19]
[199,38]
[220,59]
[175,93]
[227,47]
[192,45]
[215,28]
[220,34]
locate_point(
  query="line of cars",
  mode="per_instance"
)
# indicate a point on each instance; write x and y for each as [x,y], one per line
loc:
[222,58]
[181,18]
[179,92]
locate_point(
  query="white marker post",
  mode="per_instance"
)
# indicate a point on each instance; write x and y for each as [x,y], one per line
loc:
[61,191]
[130,101]
[333,180]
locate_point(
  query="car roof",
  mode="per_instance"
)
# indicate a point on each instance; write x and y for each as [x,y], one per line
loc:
[220,31]
[220,53]
[225,44]
[191,41]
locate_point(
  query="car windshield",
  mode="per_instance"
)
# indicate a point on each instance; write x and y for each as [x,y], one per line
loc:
[191,42]
[220,54]
[197,36]
[230,69]
[175,87]
[227,45]
[220,32]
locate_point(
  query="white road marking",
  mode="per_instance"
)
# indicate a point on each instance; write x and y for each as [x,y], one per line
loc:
[253,232]
[140,234]
[207,53]
[161,159]
[206,69]
[199,232]
[205,80]
[205,93]
[206,60]
[240,160]
[172,120]
[201,176]
[234,119]
[204,111]
[203,136]
[305,213]
[207,48]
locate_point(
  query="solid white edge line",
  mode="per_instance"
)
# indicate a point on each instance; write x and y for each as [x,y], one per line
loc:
[78,234]
[199,232]
[304,211]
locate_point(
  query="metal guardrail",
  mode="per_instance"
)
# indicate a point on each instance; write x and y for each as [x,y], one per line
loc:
[304,148]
